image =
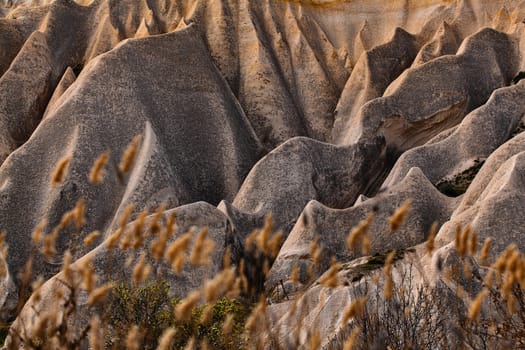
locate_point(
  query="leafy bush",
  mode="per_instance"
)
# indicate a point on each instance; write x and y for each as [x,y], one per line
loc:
[150,307]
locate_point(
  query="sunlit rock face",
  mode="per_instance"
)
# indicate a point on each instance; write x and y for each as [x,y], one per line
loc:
[317,112]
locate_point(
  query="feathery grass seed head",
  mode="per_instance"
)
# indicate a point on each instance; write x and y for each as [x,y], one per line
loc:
[97,172]
[294,276]
[227,325]
[154,226]
[60,172]
[128,157]
[166,339]
[141,270]
[358,233]
[66,268]
[89,276]
[202,249]
[78,213]
[475,307]
[351,342]
[126,214]
[430,245]
[184,308]
[397,219]
[315,340]
[97,295]
[330,278]
[38,232]
[90,239]
[176,252]
[95,335]
[473,247]
[133,338]
[485,250]
[355,309]
[114,238]
[315,251]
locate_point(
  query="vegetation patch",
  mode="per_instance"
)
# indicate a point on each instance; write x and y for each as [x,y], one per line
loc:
[4,330]
[151,308]
[459,184]
[354,273]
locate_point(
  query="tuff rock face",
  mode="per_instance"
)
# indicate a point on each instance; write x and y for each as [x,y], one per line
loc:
[318,112]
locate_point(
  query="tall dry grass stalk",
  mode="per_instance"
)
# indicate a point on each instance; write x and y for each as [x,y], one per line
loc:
[256,322]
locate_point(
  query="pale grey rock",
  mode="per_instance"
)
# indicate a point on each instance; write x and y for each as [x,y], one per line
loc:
[494,161]
[302,169]
[65,82]
[235,76]
[320,309]
[38,66]
[30,74]
[496,211]
[441,136]
[330,227]
[112,265]
[196,144]
[305,65]
[371,76]
[11,40]
[492,123]
[242,224]
[445,42]
[360,199]
[430,98]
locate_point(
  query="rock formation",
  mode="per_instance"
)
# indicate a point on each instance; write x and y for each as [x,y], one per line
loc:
[316,112]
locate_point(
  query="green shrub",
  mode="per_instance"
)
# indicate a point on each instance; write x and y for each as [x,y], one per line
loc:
[147,306]
[150,307]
